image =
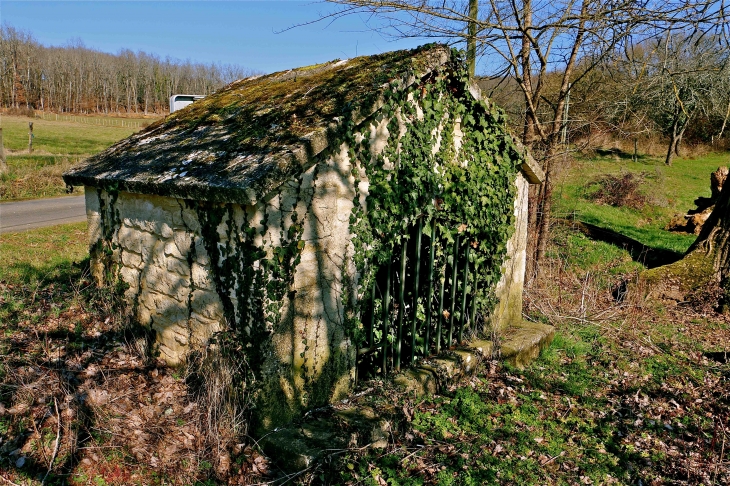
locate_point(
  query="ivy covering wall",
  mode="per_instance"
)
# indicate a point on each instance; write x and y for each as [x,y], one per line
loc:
[455,163]
[417,147]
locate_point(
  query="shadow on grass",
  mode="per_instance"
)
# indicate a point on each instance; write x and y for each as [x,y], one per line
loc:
[620,154]
[646,255]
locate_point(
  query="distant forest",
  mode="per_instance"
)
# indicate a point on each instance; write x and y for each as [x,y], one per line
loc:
[76,79]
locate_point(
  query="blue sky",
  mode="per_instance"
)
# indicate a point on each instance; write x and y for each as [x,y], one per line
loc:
[249,33]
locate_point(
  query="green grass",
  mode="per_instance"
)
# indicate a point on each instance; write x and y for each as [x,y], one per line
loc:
[624,400]
[57,146]
[59,138]
[669,190]
[40,255]
[35,176]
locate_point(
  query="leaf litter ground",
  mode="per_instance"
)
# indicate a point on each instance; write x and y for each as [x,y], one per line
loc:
[630,392]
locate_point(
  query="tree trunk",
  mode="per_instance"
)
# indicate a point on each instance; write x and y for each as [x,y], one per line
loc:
[533,201]
[670,151]
[471,41]
[705,266]
[543,234]
[678,127]
[679,140]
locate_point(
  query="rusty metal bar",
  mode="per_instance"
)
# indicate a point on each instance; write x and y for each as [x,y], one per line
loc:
[454,275]
[441,317]
[371,333]
[386,305]
[416,283]
[462,317]
[427,338]
[473,321]
[401,306]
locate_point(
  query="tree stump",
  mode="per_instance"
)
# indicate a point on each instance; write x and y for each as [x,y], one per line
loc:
[706,264]
[694,220]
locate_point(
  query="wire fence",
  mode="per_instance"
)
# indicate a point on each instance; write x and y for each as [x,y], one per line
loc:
[96,120]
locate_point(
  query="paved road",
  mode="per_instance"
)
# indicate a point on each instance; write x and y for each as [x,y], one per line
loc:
[37,213]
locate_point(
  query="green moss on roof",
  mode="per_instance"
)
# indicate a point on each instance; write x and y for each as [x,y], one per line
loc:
[246,139]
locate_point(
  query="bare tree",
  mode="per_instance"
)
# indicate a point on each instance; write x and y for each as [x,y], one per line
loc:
[532,41]
[680,78]
[74,78]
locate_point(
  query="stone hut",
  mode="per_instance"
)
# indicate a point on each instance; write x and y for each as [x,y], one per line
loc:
[268,209]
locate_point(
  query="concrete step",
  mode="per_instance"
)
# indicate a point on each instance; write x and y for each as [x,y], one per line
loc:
[521,343]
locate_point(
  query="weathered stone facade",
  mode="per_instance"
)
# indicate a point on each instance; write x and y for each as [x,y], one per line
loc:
[157,247]
[509,288]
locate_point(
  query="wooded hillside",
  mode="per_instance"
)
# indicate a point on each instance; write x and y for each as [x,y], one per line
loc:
[76,79]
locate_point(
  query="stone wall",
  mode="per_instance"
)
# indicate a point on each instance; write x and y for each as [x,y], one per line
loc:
[180,277]
[509,289]
[147,241]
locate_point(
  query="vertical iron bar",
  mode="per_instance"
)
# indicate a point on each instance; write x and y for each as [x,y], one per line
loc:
[401,306]
[429,296]
[440,317]
[416,283]
[371,334]
[386,304]
[473,321]
[454,274]
[462,317]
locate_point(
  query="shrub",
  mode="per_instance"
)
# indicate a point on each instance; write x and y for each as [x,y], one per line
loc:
[617,190]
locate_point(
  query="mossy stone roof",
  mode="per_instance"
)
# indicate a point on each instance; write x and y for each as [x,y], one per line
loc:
[243,141]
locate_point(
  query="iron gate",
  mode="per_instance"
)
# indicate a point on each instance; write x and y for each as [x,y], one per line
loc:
[422,301]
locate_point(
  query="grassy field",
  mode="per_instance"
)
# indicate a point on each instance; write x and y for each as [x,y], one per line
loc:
[58,145]
[33,257]
[668,191]
[626,394]
[59,137]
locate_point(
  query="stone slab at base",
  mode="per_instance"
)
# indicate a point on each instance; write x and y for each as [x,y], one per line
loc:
[521,343]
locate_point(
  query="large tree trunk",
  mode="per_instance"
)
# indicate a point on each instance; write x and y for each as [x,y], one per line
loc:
[706,263]
[543,234]
[471,40]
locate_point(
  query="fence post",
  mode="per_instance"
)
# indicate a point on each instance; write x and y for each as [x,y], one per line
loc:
[30,137]
[462,318]
[371,333]
[427,340]
[386,304]
[474,296]
[3,165]
[441,317]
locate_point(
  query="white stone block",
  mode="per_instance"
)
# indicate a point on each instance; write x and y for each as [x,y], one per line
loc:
[207,304]
[201,277]
[130,276]
[165,230]
[172,250]
[93,217]
[201,254]
[131,259]
[190,220]
[179,267]
[164,282]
